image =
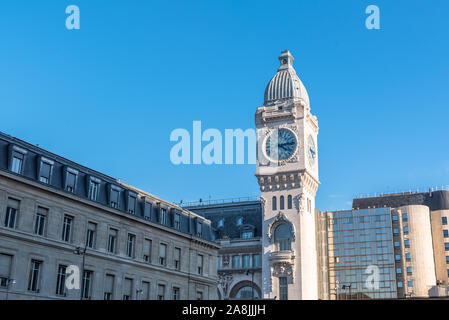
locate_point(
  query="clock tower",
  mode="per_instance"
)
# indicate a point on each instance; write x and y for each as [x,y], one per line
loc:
[287,172]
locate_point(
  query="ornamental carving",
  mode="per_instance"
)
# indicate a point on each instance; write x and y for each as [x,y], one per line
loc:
[224,280]
[282,269]
[280,218]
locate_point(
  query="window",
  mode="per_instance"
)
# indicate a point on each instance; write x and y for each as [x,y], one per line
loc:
[199,295]
[362,219]
[200,261]
[70,180]
[281,203]
[177,258]
[447,259]
[39,225]
[67,228]
[282,237]
[398,270]
[256,261]
[446,246]
[177,221]
[247,235]
[395,231]
[247,293]
[45,170]
[112,240]
[239,221]
[128,289]
[86,284]
[5,269]
[221,223]
[60,281]
[400,284]
[283,288]
[404,217]
[409,270]
[408,257]
[91,232]
[176,295]
[289,202]
[410,283]
[394,217]
[131,245]
[94,188]
[446,233]
[11,213]
[109,287]
[236,262]
[397,257]
[407,243]
[34,277]
[199,229]
[145,290]
[405,229]
[114,197]
[132,200]
[273,203]
[17,164]
[397,244]
[246,261]
[444,220]
[160,292]
[163,219]
[162,254]
[147,250]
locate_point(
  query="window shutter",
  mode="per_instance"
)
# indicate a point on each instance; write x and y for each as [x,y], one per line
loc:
[5,265]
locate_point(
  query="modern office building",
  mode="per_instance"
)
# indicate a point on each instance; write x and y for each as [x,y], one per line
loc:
[237,225]
[56,215]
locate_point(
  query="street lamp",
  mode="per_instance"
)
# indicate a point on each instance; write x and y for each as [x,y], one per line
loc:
[252,282]
[9,282]
[81,251]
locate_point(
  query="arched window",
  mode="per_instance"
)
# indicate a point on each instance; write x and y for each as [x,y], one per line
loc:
[247,293]
[289,201]
[282,237]
[281,203]
[274,203]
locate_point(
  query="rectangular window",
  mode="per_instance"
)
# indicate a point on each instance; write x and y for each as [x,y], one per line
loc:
[199,229]
[247,235]
[404,217]
[145,290]
[246,261]
[39,226]
[161,292]
[177,221]
[397,257]
[177,259]
[236,262]
[446,233]
[17,164]
[112,240]
[34,277]
[395,231]
[12,213]
[162,254]
[400,284]
[408,257]
[127,292]
[398,270]
[176,295]
[256,261]
[447,259]
[405,229]
[114,198]
[46,167]
[199,295]
[147,250]
[446,246]
[394,217]
[94,188]
[396,244]
[407,243]
[200,262]
[5,269]
[163,217]
[91,233]
[67,228]
[60,281]
[71,178]
[131,245]
[283,288]
[109,287]
[444,220]
[410,283]
[86,286]
[409,270]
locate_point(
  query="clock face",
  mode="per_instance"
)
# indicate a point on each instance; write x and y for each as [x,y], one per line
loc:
[311,150]
[281,147]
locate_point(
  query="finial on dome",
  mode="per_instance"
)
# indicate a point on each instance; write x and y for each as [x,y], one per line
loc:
[286,60]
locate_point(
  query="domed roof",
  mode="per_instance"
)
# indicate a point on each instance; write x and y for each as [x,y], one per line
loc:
[285,84]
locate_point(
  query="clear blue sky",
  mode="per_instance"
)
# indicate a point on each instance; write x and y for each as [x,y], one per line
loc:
[108,95]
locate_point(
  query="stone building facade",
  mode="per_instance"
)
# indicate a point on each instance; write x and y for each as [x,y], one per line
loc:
[126,243]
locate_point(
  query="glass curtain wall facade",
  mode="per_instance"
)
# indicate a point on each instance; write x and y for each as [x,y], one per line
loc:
[361,254]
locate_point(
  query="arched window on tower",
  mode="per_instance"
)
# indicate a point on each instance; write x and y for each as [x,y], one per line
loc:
[289,201]
[283,237]
[274,203]
[281,203]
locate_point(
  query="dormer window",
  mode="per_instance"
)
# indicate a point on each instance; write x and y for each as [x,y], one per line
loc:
[17,159]
[114,196]
[45,170]
[177,221]
[71,178]
[94,188]
[163,217]
[16,165]
[221,223]
[240,221]
[132,201]
[199,229]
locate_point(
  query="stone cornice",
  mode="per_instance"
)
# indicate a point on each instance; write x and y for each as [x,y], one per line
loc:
[288,180]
